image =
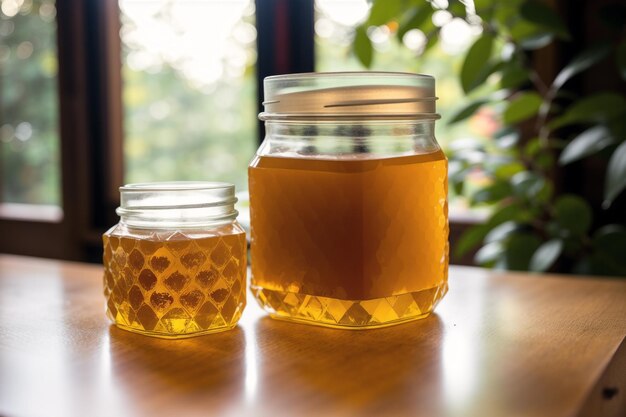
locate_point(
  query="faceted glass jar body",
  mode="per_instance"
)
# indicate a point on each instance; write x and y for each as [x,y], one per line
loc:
[349,223]
[175,278]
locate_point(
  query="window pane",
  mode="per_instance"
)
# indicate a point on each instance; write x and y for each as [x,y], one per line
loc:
[189,89]
[29,114]
[334,25]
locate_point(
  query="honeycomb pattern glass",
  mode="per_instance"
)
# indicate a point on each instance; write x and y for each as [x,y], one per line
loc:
[175,284]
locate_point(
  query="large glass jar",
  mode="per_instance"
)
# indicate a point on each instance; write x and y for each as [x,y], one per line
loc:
[175,264]
[348,200]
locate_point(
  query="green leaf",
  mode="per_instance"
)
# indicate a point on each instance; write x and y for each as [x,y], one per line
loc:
[553,229]
[384,11]
[608,257]
[492,193]
[507,137]
[467,111]
[613,231]
[504,15]
[617,126]
[489,253]
[483,4]
[508,141]
[529,35]
[470,239]
[501,231]
[580,63]
[545,255]
[520,248]
[527,184]
[544,161]
[523,106]
[596,108]
[511,211]
[458,187]
[621,59]
[476,63]
[542,15]
[457,173]
[418,17]
[609,229]
[545,192]
[513,76]
[587,143]
[363,46]
[573,214]
[506,171]
[537,41]
[533,147]
[572,246]
[615,175]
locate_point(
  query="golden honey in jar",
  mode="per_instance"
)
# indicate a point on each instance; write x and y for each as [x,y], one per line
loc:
[175,264]
[348,200]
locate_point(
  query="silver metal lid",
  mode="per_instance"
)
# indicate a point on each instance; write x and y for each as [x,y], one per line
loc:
[349,95]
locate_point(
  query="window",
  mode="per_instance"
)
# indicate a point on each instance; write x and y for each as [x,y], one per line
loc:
[29,112]
[189,90]
[160,90]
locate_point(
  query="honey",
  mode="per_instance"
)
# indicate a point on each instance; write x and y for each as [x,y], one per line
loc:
[352,242]
[170,284]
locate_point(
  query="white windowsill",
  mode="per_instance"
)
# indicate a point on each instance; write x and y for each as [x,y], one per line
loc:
[31,212]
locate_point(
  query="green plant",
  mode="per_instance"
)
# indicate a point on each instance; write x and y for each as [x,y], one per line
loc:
[531,226]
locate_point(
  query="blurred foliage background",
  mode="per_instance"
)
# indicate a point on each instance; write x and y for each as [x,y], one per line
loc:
[29,117]
[544,127]
[189,90]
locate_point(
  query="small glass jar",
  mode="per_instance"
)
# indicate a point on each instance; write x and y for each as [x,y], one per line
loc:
[175,264]
[348,200]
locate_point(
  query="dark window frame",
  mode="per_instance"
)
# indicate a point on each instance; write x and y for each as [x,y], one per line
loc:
[90,135]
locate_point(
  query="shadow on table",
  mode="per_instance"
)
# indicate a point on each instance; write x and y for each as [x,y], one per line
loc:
[206,369]
[394,368]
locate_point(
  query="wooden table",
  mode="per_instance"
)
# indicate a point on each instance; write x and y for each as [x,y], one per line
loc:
[500,344]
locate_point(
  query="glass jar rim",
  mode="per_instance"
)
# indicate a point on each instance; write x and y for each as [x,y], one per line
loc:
[175,186]
[177,204]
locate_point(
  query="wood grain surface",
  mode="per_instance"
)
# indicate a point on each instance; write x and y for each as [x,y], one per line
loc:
[500,344]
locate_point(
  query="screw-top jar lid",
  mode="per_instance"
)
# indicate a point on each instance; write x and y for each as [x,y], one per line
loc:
[177,204]
[349,95]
